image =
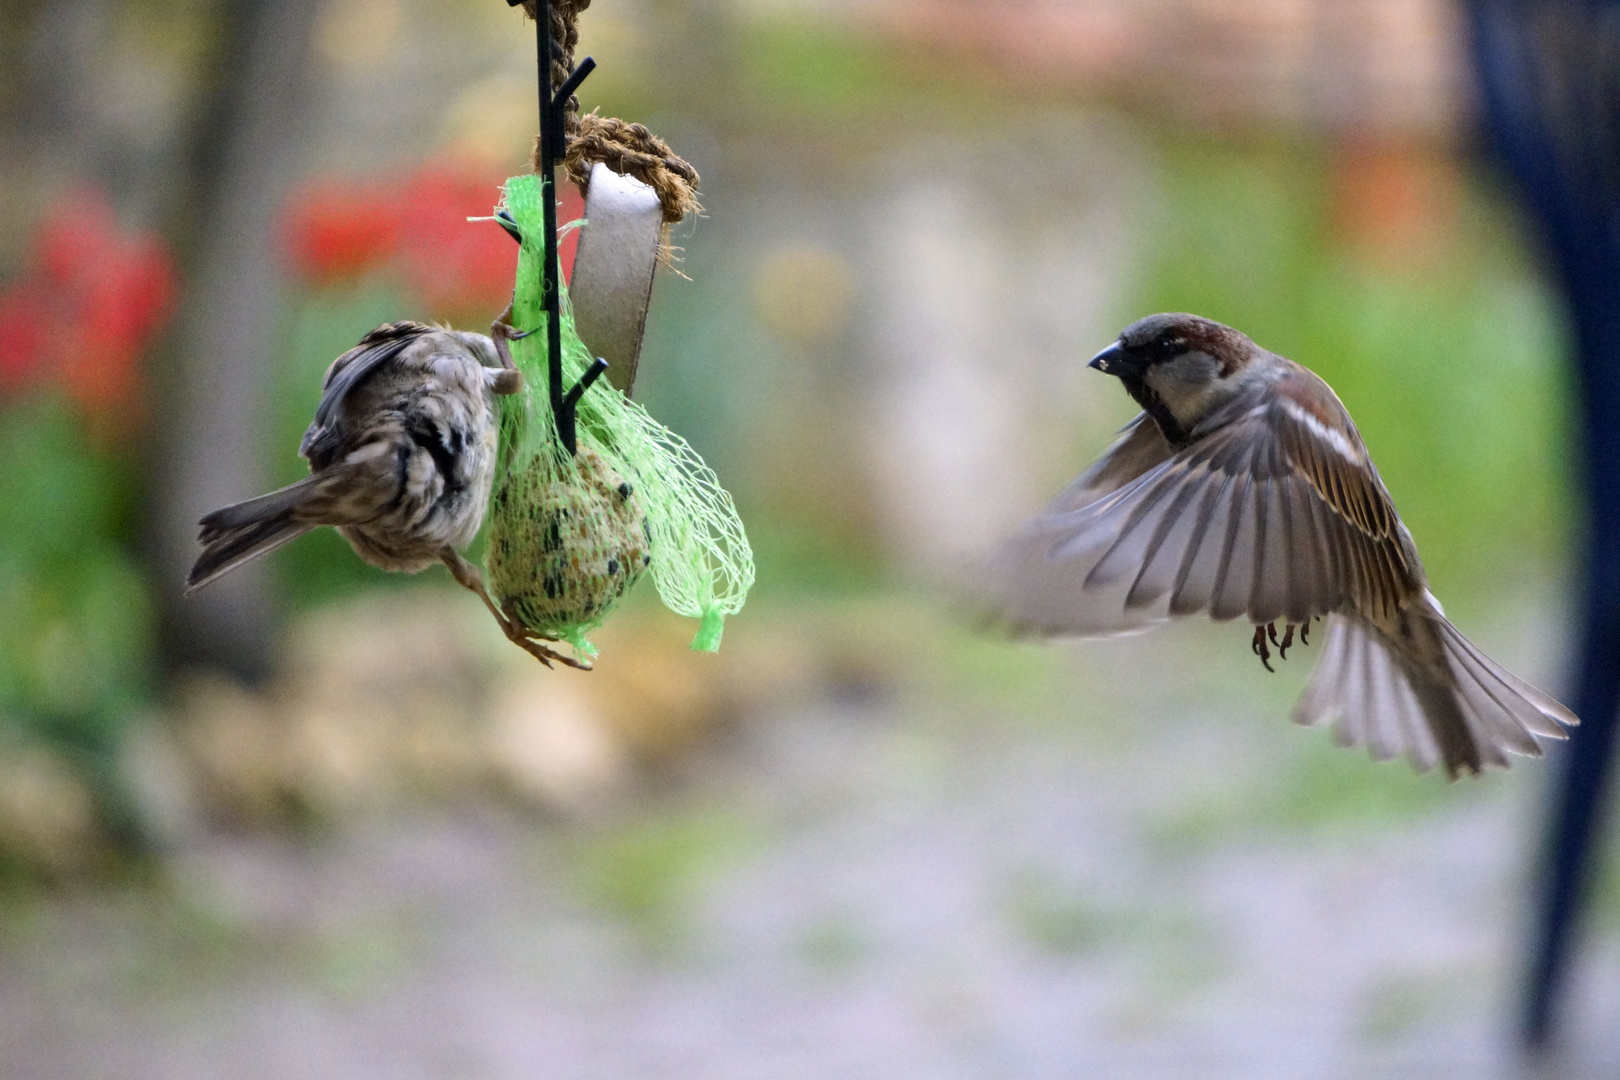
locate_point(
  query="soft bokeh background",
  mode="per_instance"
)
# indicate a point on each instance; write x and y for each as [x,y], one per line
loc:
[328,824]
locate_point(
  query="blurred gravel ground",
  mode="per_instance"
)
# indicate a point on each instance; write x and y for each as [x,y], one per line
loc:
[957,859]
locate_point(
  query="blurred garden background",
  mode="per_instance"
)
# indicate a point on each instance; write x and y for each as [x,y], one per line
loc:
[325,822]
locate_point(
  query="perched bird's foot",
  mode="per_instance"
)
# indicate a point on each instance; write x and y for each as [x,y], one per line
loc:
[530,642]
[467,575]
[504,219]
[501,331]
[520,637]
[503,322]
[509,380]
[1259,645]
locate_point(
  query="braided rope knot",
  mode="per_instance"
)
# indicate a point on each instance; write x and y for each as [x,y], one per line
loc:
[628,149]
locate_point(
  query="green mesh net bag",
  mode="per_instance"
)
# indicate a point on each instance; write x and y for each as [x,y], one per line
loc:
[570,534]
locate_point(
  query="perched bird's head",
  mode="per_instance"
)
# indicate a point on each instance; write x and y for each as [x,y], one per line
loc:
[1179,367]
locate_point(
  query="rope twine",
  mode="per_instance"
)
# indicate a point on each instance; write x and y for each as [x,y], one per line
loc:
[628,149]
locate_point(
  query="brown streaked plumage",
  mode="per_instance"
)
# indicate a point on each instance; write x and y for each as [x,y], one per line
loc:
[1244,489]
[402,455]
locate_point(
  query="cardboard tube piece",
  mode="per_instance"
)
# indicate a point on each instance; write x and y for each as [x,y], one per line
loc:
[613,270]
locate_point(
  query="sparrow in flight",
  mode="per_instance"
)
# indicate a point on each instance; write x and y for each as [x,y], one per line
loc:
[1243,489]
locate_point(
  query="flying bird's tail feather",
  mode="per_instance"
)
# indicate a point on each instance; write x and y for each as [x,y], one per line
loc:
[1501,700]
[243,531]
[1463,713]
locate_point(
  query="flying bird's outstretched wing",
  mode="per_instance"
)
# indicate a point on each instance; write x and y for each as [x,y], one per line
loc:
[1271,512]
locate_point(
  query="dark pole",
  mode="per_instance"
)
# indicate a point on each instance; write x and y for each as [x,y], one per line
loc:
[1549,85]
[548,207]
[209,382]
[553,130]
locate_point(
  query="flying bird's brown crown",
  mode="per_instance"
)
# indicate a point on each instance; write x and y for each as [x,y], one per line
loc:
[1159,338]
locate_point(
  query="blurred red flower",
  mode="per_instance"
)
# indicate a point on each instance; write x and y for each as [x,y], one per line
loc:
[454,265]
[339,231]
[92,300]
[25,331]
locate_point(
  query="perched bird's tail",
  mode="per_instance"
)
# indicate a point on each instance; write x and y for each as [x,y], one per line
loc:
[1462,710]
[246,530]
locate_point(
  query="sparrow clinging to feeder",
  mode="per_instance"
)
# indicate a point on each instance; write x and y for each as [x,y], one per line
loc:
[1244,489]
[402,454]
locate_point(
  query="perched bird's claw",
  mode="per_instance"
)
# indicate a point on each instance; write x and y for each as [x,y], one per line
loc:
[519,637]
[1287,640]
[530,642]
[502,333]
[504,219]
[469,577]
[503,330]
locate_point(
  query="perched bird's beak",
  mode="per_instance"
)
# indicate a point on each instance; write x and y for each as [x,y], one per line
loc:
[1114,360]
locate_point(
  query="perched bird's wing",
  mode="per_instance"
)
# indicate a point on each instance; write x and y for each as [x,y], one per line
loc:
[322,441]
[1138,447]
[1274,511]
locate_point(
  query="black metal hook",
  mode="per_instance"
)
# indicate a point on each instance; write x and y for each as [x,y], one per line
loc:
[570,403]
[553,128]
[570,84]
[563,410]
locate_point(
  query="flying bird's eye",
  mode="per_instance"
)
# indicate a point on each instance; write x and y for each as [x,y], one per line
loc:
[1167,348]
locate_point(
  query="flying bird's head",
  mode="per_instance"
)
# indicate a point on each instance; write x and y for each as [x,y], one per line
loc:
[1180,367]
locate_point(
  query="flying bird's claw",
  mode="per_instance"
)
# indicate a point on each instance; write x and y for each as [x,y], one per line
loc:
[1265,632]
[1260,648]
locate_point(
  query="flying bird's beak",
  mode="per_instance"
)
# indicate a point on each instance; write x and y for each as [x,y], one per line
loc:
[1114,360]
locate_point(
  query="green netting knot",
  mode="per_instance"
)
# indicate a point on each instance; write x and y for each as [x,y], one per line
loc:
[707,638]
